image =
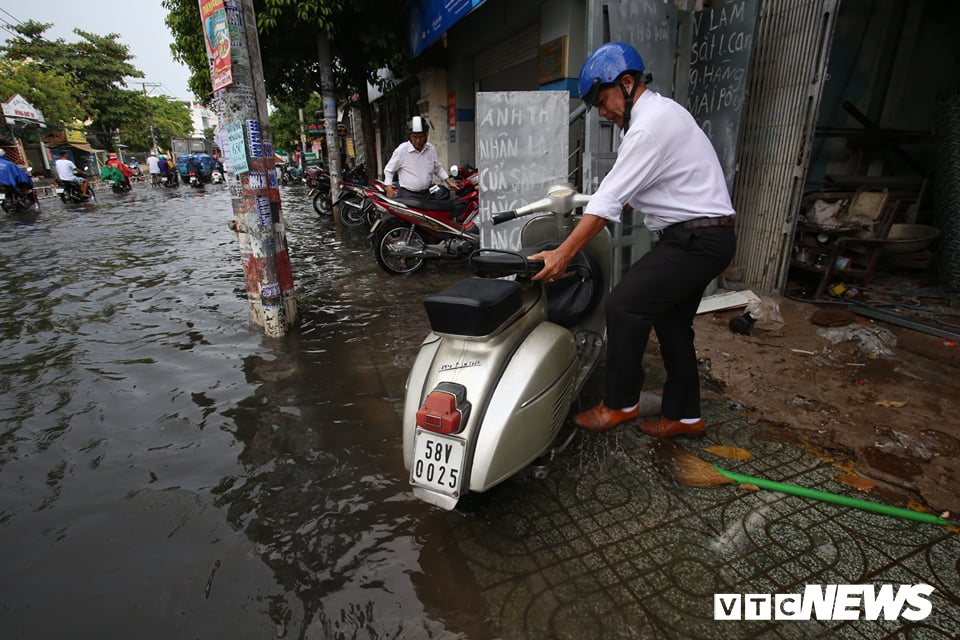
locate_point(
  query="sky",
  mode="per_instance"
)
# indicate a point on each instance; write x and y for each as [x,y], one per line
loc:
[140,24]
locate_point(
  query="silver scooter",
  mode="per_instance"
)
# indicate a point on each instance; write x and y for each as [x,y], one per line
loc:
[492,386]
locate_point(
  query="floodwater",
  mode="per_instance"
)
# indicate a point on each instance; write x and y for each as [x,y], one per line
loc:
[167,471]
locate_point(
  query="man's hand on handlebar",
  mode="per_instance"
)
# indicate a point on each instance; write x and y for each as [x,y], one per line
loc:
[554,265]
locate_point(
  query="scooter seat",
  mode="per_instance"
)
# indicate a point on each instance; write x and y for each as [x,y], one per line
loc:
[428,204]
[473,307]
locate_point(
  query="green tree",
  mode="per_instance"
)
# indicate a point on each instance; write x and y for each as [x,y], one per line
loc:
[365,36]
[51,92]
[285,122]
[168,119]
[96,65]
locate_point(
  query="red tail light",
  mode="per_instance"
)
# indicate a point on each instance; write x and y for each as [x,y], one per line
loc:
[445,410]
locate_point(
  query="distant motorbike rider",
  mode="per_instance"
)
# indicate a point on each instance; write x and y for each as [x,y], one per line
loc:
[215,164]
[12,175]
[194,167]
[167,169]
[69,173]
[113,161]
[414,163]
[153,164]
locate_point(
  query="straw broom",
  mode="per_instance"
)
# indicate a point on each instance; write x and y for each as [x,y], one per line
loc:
[690,471]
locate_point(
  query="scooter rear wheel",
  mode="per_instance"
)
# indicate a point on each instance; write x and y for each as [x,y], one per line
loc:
[396,233]
[322,204]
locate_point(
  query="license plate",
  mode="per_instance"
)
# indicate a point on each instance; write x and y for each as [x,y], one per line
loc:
[58,190]
[437,462]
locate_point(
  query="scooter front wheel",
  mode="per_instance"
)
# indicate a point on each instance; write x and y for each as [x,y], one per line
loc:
[393,240]
[352,213]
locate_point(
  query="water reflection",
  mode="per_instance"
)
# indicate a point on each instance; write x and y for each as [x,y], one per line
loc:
[157,450]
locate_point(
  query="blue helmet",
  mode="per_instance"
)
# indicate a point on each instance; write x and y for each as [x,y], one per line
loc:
[605,66]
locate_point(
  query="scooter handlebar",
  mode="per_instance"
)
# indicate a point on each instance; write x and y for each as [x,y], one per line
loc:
[503,216]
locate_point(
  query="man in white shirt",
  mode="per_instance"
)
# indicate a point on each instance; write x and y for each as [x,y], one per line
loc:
[153,166]
[414,163]
[68,172]
[667,169]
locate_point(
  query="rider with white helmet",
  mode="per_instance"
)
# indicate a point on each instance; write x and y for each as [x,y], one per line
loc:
[414,163]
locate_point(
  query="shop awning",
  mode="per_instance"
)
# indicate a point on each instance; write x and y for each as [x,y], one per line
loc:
[84,147]
[432,18]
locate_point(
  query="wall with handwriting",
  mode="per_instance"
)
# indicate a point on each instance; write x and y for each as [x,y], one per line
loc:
[719,62]
[522,142]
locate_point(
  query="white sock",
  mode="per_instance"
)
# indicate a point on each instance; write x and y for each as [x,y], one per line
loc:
[690,420]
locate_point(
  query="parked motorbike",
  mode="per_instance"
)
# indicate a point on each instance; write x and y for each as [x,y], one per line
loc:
[314,175]
[318,180]
[493,383]
[411,231]
[18,199]
[355,209]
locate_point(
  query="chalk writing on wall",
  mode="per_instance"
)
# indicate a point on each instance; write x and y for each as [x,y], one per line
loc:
[522,141]
[719,62]
[650,26]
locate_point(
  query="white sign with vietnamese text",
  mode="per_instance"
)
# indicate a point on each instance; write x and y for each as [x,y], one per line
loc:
[18,108]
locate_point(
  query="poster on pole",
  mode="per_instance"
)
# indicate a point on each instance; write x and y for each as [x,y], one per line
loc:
[216,34]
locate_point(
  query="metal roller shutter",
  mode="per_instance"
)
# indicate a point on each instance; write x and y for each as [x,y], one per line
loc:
[520,47]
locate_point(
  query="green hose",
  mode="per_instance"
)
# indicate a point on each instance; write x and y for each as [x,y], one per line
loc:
[846,501]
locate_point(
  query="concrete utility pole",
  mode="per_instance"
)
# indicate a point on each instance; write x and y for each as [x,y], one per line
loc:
[153,135]
[303,133]
[327,88]
[241,104]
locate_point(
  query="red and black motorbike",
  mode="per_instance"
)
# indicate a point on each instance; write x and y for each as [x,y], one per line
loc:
[318,179]
[355,209]
[411,231]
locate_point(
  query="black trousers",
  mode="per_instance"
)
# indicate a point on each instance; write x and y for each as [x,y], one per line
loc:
[661,291]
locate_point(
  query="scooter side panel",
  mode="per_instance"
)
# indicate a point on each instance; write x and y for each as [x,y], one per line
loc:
[527,407]
[476,364]
[414,392]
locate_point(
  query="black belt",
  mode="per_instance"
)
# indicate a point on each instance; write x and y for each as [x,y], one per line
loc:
[715,221]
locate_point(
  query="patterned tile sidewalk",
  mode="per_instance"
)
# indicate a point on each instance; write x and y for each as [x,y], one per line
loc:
[607,546]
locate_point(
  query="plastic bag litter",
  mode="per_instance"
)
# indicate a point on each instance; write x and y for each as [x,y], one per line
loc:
[766,314]
[874,341]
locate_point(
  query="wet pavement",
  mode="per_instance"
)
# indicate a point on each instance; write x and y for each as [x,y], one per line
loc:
[608,546]
[166,471]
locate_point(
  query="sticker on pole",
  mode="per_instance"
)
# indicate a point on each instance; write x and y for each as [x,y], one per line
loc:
[237,147]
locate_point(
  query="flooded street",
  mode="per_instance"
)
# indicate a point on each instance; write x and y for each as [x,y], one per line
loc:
[168,472]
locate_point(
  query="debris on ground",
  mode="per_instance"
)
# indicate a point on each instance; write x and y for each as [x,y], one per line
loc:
[873,340]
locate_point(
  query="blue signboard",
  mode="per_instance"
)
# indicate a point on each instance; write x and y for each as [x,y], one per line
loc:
[431,18]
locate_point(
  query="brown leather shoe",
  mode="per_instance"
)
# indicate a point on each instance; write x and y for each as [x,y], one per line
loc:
[602,418]
[665,427]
